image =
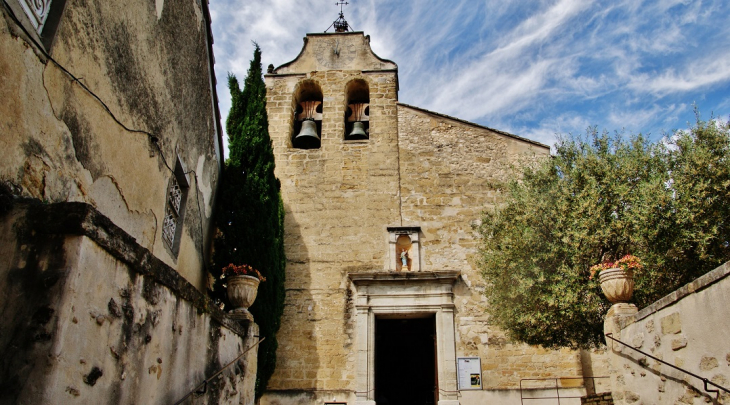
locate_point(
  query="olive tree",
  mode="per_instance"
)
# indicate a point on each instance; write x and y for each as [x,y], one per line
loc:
[600,197]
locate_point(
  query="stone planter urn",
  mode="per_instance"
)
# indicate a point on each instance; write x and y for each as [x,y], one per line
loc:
[617,284]
[242,292]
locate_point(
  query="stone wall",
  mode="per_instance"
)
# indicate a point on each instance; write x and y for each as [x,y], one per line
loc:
[597,399]
[91,317]
[547,396]
[60,143]
[689,329]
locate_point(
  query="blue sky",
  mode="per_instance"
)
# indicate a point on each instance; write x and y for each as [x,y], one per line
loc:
[531,68]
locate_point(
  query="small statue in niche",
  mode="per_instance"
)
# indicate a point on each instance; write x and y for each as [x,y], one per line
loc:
[402,252]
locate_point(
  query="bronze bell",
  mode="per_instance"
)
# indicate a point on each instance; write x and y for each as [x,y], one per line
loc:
[307,137]
[358,131]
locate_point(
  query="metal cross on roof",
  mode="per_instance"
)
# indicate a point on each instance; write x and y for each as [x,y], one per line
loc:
[340,23]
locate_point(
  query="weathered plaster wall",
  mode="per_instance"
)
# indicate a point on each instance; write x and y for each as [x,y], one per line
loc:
[689,329]
[91,317]
[60,144]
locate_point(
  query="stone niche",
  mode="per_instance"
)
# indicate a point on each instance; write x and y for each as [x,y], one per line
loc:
[404,247]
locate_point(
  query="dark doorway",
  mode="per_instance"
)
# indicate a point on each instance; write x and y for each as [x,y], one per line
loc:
[405,361]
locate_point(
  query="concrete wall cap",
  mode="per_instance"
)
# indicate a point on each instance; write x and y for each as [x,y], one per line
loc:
[695,286]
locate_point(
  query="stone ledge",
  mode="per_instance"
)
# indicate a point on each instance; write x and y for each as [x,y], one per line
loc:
[356,141]
[77,218]
[376,277]
[695,286]
[403,228]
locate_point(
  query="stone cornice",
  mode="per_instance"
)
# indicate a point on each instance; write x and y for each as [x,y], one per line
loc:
[385,277]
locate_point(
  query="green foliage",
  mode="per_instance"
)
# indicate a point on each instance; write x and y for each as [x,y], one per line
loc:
[600,197]
[250,213]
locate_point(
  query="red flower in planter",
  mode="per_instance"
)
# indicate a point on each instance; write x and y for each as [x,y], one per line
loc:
[628,262]
[241,270]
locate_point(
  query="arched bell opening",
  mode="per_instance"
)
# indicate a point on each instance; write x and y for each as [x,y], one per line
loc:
[307,128]
[357,113]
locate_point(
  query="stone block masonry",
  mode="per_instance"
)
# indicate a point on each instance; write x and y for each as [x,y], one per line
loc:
[449,170]
[597,399]
[338,200]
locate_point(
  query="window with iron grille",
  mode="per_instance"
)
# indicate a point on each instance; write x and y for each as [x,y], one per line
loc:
[175,207]
[40,18]
[37,11]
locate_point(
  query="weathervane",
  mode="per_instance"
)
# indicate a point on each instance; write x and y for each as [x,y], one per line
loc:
[340,23]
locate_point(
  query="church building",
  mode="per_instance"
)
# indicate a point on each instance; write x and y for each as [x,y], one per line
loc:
[384,300]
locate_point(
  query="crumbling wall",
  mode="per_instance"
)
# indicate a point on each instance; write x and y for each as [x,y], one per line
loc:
[145,65]
[89,316]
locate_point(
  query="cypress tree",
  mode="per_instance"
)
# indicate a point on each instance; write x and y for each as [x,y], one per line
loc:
[250,215]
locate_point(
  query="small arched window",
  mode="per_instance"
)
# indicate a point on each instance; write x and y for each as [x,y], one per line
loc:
[307,128]
[357,114]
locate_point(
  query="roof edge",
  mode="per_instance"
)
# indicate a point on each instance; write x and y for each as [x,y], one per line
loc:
[474,125]
[321,34]
[213,83]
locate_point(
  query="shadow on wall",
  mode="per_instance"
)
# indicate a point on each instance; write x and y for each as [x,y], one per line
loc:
[297,360]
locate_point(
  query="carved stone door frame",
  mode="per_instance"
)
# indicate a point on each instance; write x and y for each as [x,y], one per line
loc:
[404,294]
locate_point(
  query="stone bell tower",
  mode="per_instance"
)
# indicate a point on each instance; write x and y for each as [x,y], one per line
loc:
[333,119]
[333,123]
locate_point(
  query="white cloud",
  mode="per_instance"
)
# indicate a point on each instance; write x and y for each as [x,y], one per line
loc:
[698,74]
[638,117]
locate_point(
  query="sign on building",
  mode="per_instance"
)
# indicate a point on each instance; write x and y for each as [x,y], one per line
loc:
[470,373]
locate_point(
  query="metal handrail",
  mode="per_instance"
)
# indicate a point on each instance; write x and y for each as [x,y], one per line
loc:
[704,380]
[557,388]
[204,384]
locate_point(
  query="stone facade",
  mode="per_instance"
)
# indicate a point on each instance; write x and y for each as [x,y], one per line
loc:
[687,329]
[421,174]
[61,144]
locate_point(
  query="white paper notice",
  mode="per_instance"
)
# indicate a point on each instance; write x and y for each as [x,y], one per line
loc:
[470,373]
